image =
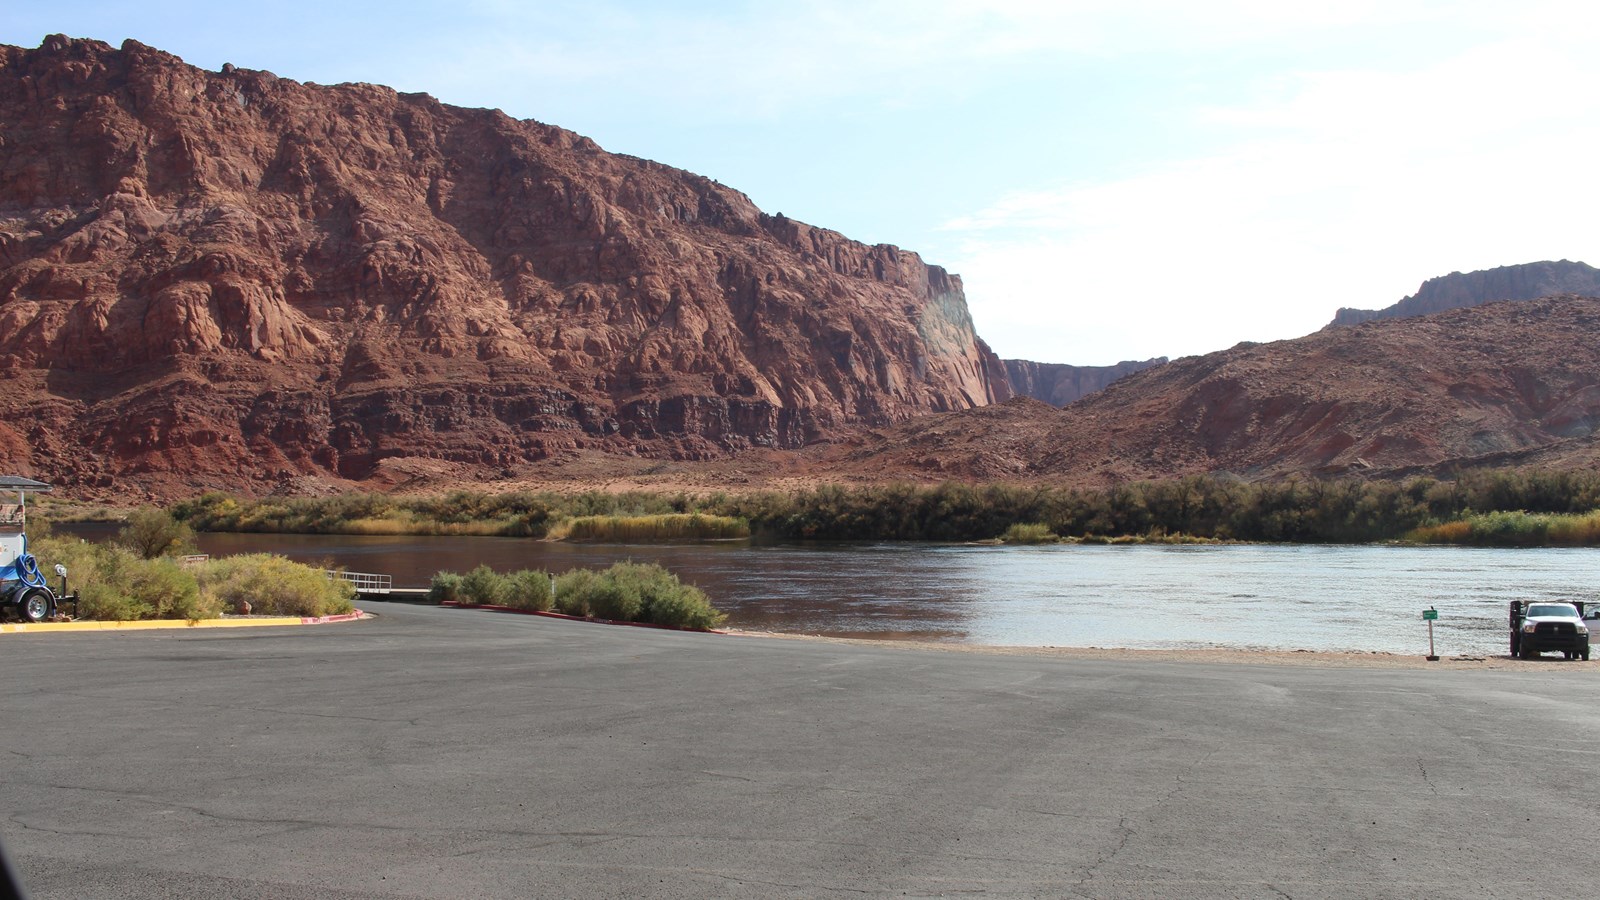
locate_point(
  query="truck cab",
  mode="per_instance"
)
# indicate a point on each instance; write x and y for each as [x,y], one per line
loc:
[1539,626]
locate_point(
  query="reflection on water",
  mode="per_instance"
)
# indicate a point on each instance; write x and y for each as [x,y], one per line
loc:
[1287,597]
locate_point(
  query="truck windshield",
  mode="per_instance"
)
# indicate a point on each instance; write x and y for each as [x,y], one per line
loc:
[1553,609]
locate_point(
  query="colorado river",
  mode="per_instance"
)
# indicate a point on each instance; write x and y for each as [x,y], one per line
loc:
[1356,598]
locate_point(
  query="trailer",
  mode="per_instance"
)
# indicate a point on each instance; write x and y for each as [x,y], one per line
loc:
[23,589]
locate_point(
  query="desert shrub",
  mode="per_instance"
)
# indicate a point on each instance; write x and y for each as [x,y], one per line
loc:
[116,584]
[274,586]
[613,597]
[528,589]
[484,586]
[172,592]
[153,532]
[573,590]
[104,602]
[446,588]
[668,601]
[629,592]
[1029,533]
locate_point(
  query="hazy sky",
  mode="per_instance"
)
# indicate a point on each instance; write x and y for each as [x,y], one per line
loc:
[1112,180]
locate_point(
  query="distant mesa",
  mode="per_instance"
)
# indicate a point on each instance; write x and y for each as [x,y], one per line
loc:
[1529,281]
[1059,384]
[1495,386]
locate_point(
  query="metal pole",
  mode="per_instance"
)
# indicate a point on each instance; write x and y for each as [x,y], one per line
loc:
[1432,657]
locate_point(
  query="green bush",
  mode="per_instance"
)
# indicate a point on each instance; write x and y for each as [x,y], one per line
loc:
[629,592]
[153,532]
[116,584]
[274,586]
[573,590]
[528,589]
[483,586]
[446,588]
[102,602]
[617,600]
[1029,533]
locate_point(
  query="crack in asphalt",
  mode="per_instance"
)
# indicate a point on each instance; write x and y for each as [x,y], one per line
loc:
[1425,779]
[1127,831]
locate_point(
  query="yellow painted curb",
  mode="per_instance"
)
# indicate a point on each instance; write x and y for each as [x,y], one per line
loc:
[153,624]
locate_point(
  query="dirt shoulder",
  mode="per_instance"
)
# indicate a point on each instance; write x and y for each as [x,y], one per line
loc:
[1324,659]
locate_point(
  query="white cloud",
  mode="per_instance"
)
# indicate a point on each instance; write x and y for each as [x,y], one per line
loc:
[1339,188]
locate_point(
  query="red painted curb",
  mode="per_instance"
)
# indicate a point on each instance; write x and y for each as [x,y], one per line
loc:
[456,604]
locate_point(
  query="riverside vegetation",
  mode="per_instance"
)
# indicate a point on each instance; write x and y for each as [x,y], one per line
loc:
[1462,510]
[139,575]
[626,592]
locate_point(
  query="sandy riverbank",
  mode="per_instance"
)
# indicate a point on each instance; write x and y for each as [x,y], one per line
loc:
[1326,659]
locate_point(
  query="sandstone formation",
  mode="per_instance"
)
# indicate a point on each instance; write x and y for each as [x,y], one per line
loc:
[1059,384]
[1457,290]
[1505,384]
[230,279]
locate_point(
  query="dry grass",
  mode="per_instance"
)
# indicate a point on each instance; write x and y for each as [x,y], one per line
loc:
[647,529]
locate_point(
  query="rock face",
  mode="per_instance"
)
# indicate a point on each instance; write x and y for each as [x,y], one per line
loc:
[228,279]
[1457,291]
[1059,385]
[1504,384]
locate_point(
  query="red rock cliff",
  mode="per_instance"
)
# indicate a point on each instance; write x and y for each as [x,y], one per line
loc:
[1058,384]
[1528,281]
[225,278]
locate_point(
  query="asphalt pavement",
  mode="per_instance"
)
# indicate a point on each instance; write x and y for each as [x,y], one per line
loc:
[456,753]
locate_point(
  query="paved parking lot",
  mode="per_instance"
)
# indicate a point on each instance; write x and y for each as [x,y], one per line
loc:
[444,753]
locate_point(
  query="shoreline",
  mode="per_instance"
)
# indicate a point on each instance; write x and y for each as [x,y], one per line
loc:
[1331,659]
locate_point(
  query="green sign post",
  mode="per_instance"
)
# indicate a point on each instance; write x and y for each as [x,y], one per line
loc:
[1429,615]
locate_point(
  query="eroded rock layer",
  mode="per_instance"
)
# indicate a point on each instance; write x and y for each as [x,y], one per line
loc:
[1459,290]
[1059,384]
[229,279]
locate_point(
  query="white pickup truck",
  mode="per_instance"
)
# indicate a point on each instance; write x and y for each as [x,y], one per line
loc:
[1538,626]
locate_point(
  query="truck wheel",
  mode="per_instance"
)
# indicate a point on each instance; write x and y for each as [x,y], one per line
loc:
[1525,652]
[35,606]
[1584,654]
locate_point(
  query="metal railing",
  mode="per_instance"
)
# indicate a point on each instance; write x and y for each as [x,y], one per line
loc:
[365,582]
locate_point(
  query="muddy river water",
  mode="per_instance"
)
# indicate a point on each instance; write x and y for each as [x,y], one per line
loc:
[1159,597]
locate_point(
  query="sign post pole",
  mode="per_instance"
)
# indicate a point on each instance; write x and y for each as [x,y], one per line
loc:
[1429,615]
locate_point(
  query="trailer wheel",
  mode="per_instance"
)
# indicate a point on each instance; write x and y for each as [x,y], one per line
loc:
[1515,643]
[35,606]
